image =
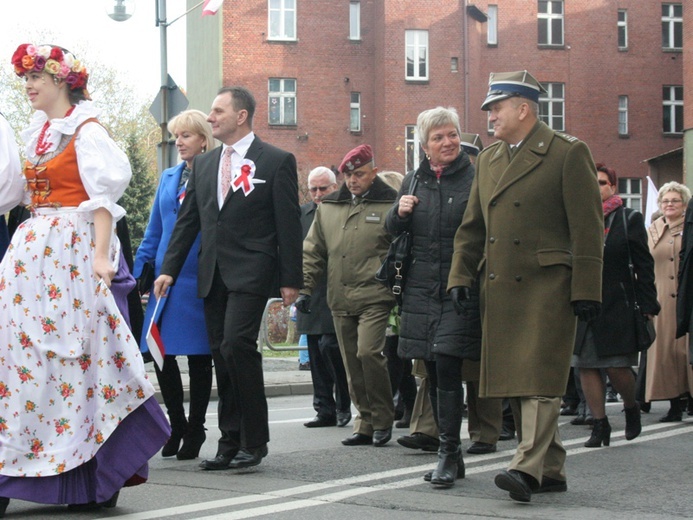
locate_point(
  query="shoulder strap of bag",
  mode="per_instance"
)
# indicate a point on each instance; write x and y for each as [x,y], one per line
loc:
[413,184]
[631,267]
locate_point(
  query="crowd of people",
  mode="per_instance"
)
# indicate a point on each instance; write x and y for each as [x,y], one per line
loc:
[525,262]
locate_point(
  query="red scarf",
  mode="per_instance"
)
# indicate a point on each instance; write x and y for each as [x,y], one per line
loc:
[609,206]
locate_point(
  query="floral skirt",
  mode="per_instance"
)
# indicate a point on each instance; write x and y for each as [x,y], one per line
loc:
[72,380]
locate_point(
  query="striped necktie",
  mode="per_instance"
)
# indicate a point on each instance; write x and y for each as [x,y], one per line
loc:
[226,172]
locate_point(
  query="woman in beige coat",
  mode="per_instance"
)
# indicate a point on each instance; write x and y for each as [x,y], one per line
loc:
[669,374]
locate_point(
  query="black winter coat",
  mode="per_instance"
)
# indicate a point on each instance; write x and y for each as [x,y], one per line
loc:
[319,320]
[613,329]
[429,322]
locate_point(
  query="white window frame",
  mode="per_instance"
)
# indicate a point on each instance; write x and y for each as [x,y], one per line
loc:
[547,104]
[355,112]
[412,148]
[281,97]
[547,18]
[622,115]
[284,11]
[670,104]
[670,23]
[416,43]
[355,20]
[492,25]
[622,28]
[630,190]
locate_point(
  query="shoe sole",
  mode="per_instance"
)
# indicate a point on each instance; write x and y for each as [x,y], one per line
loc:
[509,484]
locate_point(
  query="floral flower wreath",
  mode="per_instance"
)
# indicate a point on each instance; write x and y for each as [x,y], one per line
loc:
[54,60]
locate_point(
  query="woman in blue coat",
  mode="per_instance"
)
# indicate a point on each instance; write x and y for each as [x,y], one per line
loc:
[180,316]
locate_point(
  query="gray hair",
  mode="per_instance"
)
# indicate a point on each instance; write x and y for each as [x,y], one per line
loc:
[322,170]
[679,188]
[435,118]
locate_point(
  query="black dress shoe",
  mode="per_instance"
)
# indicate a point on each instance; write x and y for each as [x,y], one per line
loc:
[419,441]
[248,457]
[506,434]
[343,418]
[569,410]
[579,420]
[552,485]
[382,437]
[358,439]
[479,448]
[321,422]
[516,483]
[218,462]
[672,416]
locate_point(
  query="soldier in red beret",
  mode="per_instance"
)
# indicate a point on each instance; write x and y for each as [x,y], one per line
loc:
[347,243]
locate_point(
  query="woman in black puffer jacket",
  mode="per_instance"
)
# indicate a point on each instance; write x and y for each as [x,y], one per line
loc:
[430,328]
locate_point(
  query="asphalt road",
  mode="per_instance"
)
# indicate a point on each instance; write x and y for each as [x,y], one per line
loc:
[309,475]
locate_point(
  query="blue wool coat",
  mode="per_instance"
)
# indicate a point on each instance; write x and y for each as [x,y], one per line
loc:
[182,324]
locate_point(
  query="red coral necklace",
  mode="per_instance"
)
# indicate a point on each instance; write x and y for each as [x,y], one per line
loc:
[41,145]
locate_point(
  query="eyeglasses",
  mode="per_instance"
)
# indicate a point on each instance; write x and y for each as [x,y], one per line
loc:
[603,183]
[666,202]
[313,189]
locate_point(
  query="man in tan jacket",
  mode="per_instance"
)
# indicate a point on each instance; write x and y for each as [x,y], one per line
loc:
[533,232]
[348,241]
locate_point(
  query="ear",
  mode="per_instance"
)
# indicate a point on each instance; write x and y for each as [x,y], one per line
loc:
[242,117]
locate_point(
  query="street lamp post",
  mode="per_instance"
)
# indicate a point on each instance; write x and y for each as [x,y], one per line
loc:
[170,100]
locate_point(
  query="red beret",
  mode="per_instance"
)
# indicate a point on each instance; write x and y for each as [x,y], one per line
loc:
[356,158]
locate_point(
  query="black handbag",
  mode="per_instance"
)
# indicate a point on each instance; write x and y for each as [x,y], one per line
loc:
[146,279]
[645,333]
[393,271]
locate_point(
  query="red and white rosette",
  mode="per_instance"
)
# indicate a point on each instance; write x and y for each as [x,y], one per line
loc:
[242,176]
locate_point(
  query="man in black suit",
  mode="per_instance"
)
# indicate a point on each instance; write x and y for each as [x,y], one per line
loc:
[243,199]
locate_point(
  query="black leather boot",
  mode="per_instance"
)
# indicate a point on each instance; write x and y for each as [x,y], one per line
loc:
[633,426]
[200,389]
[4,502]
[450,463]
[601,433]
[172,394]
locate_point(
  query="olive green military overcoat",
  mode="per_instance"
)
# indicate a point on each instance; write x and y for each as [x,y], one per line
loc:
[533,231]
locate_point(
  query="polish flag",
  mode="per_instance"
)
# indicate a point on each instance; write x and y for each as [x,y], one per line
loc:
[210,7]
[154,343]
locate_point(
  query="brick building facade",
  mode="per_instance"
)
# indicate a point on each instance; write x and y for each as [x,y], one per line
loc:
[331,74]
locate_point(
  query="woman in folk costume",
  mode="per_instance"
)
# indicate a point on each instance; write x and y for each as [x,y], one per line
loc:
[76,407]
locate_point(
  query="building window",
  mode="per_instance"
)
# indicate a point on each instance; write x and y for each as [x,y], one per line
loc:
[492,25]
[355,125]
[282,101]
[550,19]
[412,147]
[622,29]
[672,98]
[622,115]
[282,19]
[630,190]
[552,106]
[355,20]
[454,65]
[672,26]
[417,55]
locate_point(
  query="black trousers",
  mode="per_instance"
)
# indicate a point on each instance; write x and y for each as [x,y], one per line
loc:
[330,386]
[233,322]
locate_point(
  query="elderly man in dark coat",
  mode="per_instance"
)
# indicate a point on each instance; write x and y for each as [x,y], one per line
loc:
[330,387]
[533,233]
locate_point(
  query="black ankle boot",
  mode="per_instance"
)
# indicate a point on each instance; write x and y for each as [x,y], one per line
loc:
[450,462]
[601,433]
[633,426]
[192,442]
[4,502]
[173,443]
[674,414]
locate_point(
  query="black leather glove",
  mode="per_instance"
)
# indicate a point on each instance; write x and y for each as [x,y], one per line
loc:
[459,295]
[303,303]
[586,310]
